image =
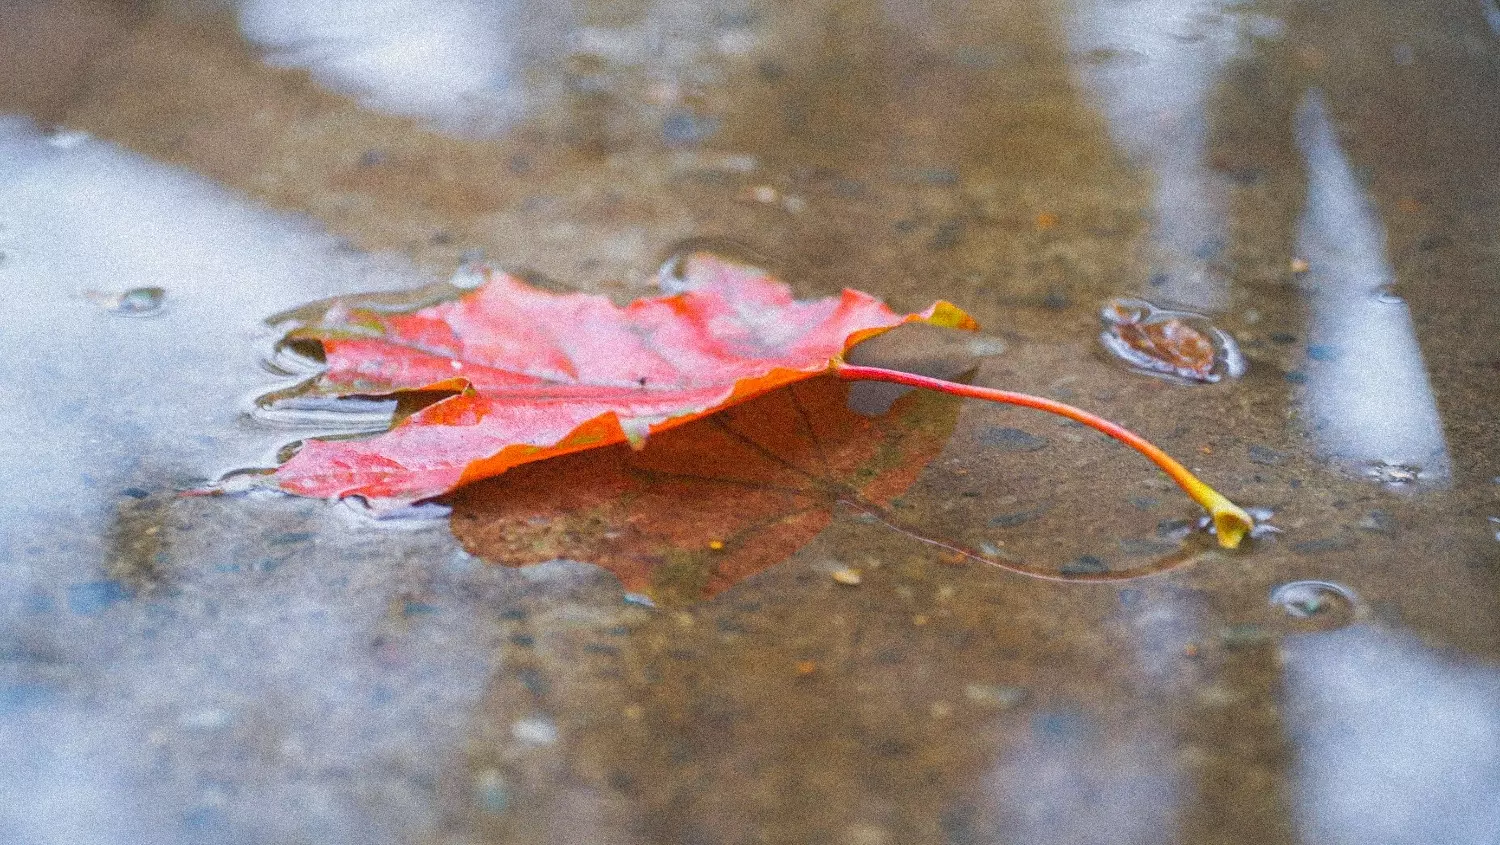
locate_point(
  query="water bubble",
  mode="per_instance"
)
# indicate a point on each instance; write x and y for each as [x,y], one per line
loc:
[136,302]
[1320,604]
[472,274]
[1178,345]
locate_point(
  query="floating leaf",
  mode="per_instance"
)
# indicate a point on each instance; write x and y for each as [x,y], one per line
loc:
[1177,344]
[535,375]
[521,375]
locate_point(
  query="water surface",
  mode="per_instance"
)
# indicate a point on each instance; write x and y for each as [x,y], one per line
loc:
[1318,181]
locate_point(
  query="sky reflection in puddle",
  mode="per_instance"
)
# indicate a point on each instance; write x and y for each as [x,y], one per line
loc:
[1368,395]
[133,640]
[457,63]
[1151,66]
[264,667]
[1394,742]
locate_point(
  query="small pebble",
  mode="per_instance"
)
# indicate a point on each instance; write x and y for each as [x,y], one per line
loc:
[1300,265]
[1001,696]
[847,576]
[984,347]
[535,731]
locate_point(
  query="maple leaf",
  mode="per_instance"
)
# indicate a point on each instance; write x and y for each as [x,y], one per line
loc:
[538,375]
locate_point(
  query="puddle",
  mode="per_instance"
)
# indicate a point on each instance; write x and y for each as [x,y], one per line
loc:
[458,65]
[1411,722]
[108,418]
[1368,396]
[1315,182]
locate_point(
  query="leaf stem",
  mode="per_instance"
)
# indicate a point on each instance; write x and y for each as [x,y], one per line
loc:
[1231,523]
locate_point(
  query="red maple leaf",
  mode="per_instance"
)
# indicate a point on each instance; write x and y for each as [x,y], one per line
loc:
[539,374]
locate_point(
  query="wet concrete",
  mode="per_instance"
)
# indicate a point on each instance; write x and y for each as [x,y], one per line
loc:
[1318,179]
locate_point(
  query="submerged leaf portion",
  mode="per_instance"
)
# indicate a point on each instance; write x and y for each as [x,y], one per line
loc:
[712,502]
[537,374]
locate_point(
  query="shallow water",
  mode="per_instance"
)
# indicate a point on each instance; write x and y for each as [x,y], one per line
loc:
[1318,180]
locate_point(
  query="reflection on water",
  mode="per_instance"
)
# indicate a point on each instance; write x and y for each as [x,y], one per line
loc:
[456,63]
[1368,394]
[254,668]
[475,67]
[1394,742]
[1071,781]
[148,668]
[1150,66]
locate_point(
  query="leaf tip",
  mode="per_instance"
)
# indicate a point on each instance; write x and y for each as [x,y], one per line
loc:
[946,314]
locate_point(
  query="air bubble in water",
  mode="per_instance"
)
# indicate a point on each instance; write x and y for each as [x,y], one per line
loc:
[1321,604]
